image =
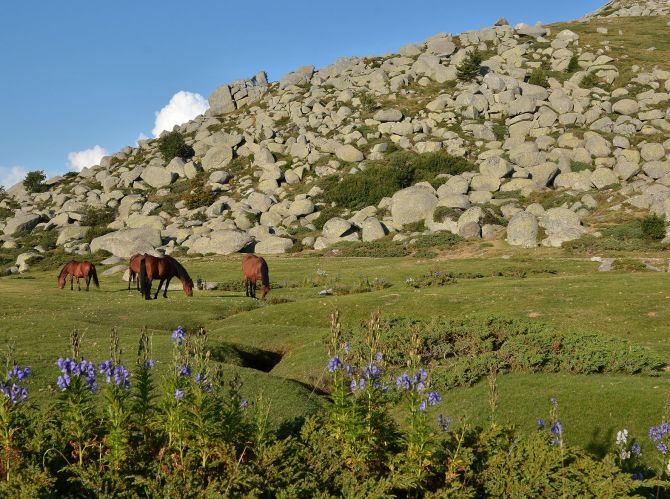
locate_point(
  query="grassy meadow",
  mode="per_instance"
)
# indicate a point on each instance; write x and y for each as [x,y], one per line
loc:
[566,292]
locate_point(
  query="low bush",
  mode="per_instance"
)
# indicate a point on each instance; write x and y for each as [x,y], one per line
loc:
[573,65]
[463,351]
[590,81]
[199,193]
[653,227]
[383,178]
[172,145]
[94,216]
[538,77]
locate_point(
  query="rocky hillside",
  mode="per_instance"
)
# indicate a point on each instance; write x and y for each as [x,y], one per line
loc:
[537,135]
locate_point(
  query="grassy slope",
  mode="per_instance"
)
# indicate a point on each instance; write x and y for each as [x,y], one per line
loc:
[39,317]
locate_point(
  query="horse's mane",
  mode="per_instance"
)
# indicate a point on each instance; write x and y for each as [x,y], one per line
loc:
[181,271]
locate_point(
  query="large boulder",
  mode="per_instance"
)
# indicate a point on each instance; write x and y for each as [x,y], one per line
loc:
[158,177]
[561,225]
[273,245]
[217,157]
[300,76]
[372,229]
[221,242]
[336,227]
[128,242]
[71,233]
[301,207]
[349,154]
[21,223]
[412,204]
[522,230]
[388,115]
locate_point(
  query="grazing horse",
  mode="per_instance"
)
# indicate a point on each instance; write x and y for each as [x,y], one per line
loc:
[163,268]
[255,268]
[134,270]
[78,269]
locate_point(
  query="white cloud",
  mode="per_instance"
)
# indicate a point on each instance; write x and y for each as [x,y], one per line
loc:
[183,107]
[88,157]
[11,175]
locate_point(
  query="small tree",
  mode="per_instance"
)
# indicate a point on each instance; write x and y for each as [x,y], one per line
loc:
[34,181]
[469,69]
[172,145]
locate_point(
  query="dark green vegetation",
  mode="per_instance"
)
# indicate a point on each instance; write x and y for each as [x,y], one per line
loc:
[539,77]
[199,194]
[653,227]
[470,68]
[172,145]
[383,178]
[34,181]
[629,236]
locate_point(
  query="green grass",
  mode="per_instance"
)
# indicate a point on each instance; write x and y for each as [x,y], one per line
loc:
[566,293]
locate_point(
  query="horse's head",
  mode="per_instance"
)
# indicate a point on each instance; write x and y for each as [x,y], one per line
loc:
[188,287]
[264,291]
[61,281]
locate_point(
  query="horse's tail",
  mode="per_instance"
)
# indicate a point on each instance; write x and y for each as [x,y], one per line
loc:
[265,273]
[94,275]
[144,288]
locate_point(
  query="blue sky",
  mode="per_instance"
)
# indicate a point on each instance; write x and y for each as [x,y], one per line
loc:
[77,74]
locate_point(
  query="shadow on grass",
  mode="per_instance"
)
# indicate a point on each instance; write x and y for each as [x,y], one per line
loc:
[600,442]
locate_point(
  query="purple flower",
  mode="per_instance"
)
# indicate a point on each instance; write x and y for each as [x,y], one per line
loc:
[19,373]
[635,449]
[353,386]
[379,357]
[84,369]
[421,375]
[422,406]
[361,383]
[347,347]
[404,382]
[540,424]
[434,398]
[334,364]
[185,370]
[638,476]
[178,394]
[178,335]
[243,404]
[663,449]
[149,364]
[372,372]
[557,428]
[349,369]
[443,422]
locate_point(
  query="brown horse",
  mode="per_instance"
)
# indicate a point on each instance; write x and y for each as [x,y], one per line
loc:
[134,270]
[255,268]
[78,269]
[163,268]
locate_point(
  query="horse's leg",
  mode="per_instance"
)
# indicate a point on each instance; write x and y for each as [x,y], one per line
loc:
[130,279]
[167,285]
[72,283]
[253,288]
[159,288]
[78,285]
[246,287]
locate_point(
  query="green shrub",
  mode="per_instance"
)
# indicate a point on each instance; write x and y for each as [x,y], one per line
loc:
[465,350]
[539,77]
[383,248]
[590,81]
[325,214]
[34,182]
[629,265]
[573,65]
[470,68]
[102,215]
[368,102]
[500,130]
[383,178]
[443,212]
[578,166]
[653,227]
[199,194]
[172,145]
[96,231]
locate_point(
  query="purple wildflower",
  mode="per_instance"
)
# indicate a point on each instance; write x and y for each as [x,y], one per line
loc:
[178,335]
[540,424]
[347,347]
[185,370]
[334,364]
[443,422]
[422,406]
[178,394]
[635,449]
[434,398]
[149,364]
[379,357]
[361,383]
[404,382]
[663,449]
[243,404]
[353,386]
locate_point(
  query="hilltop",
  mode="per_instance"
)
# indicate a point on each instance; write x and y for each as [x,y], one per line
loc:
[532,135]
